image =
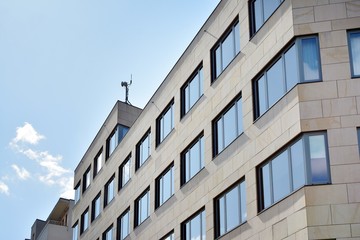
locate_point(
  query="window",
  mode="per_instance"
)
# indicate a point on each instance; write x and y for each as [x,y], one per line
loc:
[124,172]
[108,234]
[227,126]
[195,227]
[77,192]
[354,50]
[358,133]
[298,63]
[84,221]
[230,209]
[97,163]
[115,138]
[75,235]
[165,123]
[109,191]
[86,179]
[142,207]
[143,150]
[169,236]
[260,11]
[123,224]
[96,207]
[164,186]
[225,50]
[192,159]
[192,90]
[304,162]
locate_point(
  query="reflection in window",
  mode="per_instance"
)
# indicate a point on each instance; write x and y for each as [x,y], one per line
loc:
[164,186]
[192,90]
[125,171]
[77,192]
[95,207]
[86,179]
[84,221]
[115,138]
[108,234]
[354,49]
[304,162]
[143,150]
[225,50]
[75,235]
[195,227]
[228,126]
[299,63]
[260,11]
[230,209]
[142,207]
[97,163]
[109,191]
[123,225]
[192,159]
[169,236]
[165,123]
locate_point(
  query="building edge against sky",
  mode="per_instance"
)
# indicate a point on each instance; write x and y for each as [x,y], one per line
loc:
[252,135]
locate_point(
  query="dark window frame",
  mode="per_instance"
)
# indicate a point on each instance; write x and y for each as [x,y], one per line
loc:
[349,33]
[120,180]
[111,227]
[296,42]
[192,217]
[252,26]
[217,226]
[82,222]
[169,107]
[106,189]
[197,73]
[77,186]
[229,106]
[157,185]
[93,206]
[98,155]
[84,182]
[136,207]
[168,235]
[76,225]
[183,166]
[304,138]
[117,130]
[138,156]
[119,229]
[219,43]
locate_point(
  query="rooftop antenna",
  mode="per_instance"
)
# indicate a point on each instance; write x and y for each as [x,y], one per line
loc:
[127,85]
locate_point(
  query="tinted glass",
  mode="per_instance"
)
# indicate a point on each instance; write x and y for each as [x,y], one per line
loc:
[275,82]
[266,184]
[298,164]
[291,68]
[281,176]
[319,166]
[233,208]
[355,52]
[311,62]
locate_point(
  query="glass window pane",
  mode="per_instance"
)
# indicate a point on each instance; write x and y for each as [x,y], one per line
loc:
[187,98]
[167,186]
[228,50]
[262,96]
[220,135]
[126,172]
[239,117]
[266,184]
[203,225]
[195,228]
[355,52]
[291,68]
[97,207]
[237,38]
[318,161]
[281,176]
[310,55]
[201,79]
[194,159]
[243,201]
[194,90]
[269,7]
[202,144]
[298,164]
[218,61]
[259,20]
[125,225]
[222,213]
[230,126]
[275,82]
[233,208]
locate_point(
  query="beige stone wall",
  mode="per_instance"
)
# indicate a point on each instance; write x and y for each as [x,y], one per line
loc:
[312,212]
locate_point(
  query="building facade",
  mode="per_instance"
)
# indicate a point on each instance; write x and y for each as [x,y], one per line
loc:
[58,225]
[254,134]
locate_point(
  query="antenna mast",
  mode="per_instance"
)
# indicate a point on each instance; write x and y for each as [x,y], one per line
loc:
[127,85]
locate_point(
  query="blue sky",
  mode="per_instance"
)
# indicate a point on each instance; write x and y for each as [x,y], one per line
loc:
[61,65]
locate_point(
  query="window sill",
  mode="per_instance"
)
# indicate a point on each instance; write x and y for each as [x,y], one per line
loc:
[188,113]
[158,145]
[226,69]
[230,231]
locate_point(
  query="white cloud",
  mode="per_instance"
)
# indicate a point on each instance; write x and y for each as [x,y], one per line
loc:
[67,187]
[27,134]
[4,188]
[21,172]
